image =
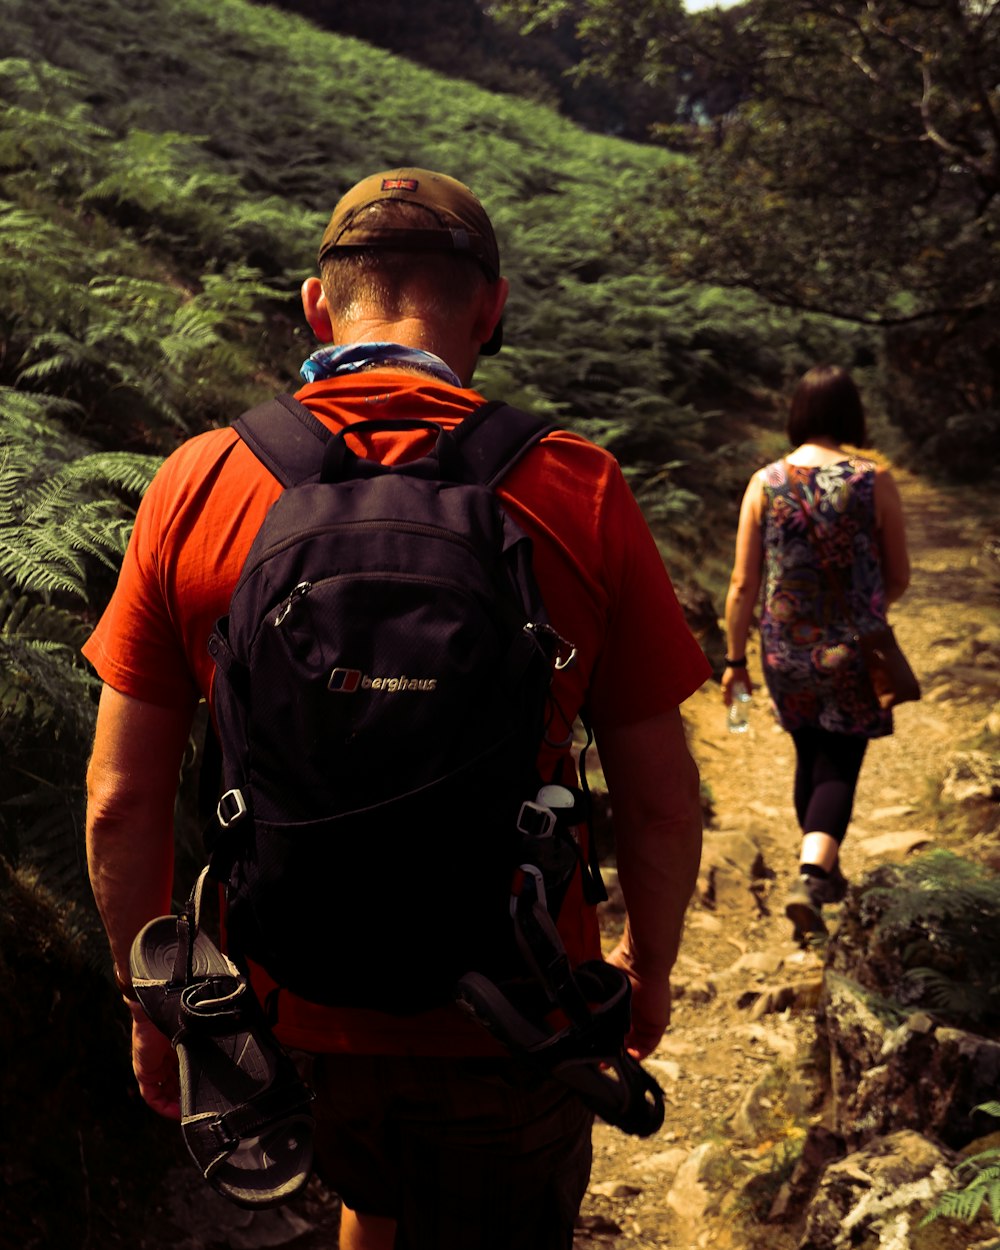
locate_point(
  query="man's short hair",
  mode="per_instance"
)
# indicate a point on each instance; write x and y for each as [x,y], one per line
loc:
[398,282]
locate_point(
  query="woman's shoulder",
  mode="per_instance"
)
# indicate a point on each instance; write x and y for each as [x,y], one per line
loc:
[772,474]
[867,460]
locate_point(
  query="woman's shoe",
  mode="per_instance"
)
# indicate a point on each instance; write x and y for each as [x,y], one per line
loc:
[804,907]
[835,886]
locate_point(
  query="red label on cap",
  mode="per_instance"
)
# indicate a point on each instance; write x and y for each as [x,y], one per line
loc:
[400,184]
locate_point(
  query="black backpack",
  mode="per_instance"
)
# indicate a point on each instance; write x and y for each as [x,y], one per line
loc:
[382,690]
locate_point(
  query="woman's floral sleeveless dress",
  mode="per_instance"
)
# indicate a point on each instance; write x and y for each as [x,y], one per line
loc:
[821,559]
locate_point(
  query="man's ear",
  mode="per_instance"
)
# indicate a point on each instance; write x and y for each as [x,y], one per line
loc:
[315,308]
[491,309]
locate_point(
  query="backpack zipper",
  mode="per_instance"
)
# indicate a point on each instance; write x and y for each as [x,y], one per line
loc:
[303,588]
[415,527]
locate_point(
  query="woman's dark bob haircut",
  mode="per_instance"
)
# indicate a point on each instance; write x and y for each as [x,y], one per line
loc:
[826,404]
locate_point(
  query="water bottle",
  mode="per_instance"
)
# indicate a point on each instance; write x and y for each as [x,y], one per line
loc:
[737,714]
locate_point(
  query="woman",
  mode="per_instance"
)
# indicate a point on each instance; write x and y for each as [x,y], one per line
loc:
[823,530]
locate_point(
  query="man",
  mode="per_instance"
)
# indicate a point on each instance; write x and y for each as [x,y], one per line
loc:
[431,1137]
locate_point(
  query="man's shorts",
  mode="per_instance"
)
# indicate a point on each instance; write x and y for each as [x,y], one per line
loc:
[466,1154]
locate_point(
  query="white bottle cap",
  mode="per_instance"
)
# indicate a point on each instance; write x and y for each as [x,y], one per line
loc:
[555,797]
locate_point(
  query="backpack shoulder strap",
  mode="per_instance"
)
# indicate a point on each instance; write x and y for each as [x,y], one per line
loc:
[286,438]
[494,437]
[289,441]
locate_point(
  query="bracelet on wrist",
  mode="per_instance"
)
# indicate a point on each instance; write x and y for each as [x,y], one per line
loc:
[740,663]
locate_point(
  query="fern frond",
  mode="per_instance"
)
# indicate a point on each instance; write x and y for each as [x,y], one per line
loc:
[942,992]
[963,1205]
[44,692]
[24,618]
[28,417]
[39,563]
[128,472]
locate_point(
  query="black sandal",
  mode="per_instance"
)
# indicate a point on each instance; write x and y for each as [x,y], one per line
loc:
[586,1055]
[244,1108]
[569,1022]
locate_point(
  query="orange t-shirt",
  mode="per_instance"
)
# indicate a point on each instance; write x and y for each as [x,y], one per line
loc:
[601,577]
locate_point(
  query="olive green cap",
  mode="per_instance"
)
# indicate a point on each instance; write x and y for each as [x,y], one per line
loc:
[463,225]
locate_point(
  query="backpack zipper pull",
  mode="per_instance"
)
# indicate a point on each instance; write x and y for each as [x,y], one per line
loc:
[303,588]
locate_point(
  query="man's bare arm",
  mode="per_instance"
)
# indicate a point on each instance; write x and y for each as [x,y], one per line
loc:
[656,810]
[131,787]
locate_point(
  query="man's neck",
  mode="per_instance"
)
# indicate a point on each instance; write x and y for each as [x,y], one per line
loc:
[338,360]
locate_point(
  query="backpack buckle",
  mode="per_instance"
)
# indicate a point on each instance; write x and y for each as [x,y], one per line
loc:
[535,821]
[232,807]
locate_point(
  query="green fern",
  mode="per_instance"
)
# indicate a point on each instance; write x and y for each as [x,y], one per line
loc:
[49,529]
[982,1187]
[941,914]
[44,691]
[59,520]
[64,517]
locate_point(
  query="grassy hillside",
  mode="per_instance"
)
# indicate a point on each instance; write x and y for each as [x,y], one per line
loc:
[166,169]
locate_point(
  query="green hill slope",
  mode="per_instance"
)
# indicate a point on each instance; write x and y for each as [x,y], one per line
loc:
[166,168]
[166,171]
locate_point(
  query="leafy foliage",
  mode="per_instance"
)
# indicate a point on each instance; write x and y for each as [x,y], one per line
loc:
[62,515]
[845,159]
[198,220]
[983,1186]
[462,38]
[940,914]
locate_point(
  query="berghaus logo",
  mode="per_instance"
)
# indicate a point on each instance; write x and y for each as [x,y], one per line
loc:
[351,680]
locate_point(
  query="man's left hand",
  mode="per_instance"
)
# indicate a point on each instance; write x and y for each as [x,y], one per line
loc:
[155,1065]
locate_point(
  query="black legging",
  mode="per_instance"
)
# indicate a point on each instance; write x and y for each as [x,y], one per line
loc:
[826,775]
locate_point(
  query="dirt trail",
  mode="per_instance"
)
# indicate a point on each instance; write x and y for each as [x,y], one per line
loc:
[738,956]
[734,1048]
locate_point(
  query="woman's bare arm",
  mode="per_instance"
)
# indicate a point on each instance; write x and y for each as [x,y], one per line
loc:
[893,553]
[744,583]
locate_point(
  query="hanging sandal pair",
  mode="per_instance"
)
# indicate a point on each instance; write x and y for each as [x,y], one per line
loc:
[244,1109]
[568,1022]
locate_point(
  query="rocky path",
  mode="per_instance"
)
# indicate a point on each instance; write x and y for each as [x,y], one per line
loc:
[736,1064]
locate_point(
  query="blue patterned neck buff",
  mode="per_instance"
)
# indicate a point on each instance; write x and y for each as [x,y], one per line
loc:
[329,362]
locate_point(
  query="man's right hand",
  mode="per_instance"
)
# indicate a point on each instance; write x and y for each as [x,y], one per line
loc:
[155,1065]
[650,1004]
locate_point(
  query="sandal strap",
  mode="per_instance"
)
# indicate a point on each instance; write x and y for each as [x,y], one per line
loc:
[188,924]
[216,1137]
[604,988]
[589,1058]
[218,1005]
[631,1101]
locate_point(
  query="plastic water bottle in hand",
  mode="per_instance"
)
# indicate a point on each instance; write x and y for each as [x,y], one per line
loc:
[738,711]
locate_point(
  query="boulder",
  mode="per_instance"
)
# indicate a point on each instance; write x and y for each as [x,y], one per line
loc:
[732,863]
[915,1074]
[878,1195]
[972,777]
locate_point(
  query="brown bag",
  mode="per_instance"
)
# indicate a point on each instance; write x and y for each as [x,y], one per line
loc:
[891,676]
